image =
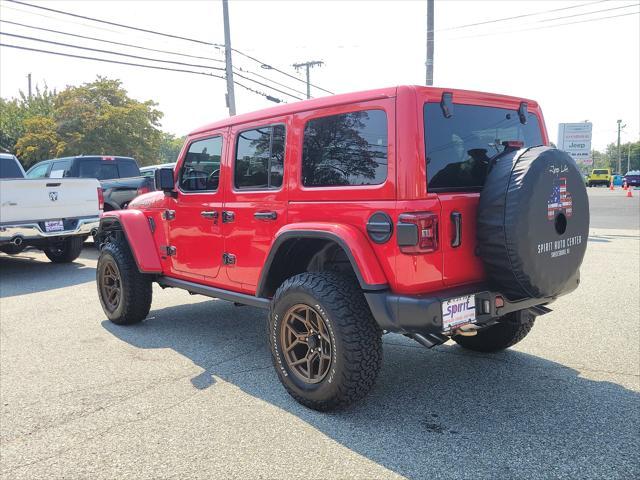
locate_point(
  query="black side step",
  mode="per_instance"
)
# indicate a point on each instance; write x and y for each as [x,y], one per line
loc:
[213,292]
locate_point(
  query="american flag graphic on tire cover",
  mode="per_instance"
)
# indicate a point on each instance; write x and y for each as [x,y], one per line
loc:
[559,200]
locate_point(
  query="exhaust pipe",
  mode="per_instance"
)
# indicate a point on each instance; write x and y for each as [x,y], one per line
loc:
[94,232]
[17,241]
[429,340]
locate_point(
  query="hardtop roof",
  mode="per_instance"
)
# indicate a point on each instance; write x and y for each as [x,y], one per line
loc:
[340,99]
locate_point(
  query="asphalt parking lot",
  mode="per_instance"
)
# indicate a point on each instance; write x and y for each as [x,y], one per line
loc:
[191,393]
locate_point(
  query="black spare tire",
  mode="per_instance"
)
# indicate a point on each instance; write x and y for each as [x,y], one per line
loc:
[533,223]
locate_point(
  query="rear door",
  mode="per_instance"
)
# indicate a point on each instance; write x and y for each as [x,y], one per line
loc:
[255,205]
[458,150]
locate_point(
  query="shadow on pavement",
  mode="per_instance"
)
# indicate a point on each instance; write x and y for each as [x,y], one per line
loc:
[441,413]
[31,272]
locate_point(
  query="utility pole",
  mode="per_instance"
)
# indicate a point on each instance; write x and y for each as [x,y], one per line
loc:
[231,96]
[29,85]
[430,42]
[308,65]
[620,127]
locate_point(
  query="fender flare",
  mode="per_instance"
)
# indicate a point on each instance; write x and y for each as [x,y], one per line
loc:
[363,259]
[137,231]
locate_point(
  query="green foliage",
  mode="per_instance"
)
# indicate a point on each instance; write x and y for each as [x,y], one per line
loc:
[94,118]
[39,141]
[170,147]
[99,118]
[629,153]
[14,112]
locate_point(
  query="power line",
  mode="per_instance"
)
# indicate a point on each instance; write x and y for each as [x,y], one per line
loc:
[110,52]
[269,67]
[154,67]
[154,32]
[588,13]
[515,17]
[546,26]
[268,86]
[60,32]
[251,72]
[145,30]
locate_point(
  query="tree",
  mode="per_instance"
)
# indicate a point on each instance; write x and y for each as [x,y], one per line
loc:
[39,141]
[14,112]
[99,118]
[170,147]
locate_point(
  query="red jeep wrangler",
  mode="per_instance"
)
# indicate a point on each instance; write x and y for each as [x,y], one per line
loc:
[434,213]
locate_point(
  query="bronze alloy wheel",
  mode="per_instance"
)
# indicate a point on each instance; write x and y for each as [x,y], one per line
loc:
[306,343]
[110,285]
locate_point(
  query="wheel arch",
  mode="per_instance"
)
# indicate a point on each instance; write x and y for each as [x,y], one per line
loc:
[294,250]
[137,233]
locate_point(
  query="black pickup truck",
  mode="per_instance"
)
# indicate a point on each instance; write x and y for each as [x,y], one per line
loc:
[119,176]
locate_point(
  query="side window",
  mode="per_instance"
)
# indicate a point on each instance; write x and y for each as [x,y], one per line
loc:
[201,167]
[345,149]
[39,172]
[59,168]
[128,168]
[260,158]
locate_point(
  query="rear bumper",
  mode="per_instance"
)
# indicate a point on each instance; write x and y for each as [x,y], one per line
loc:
[34,230]
[423,313]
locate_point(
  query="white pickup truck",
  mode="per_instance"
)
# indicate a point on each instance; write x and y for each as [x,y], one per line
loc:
[55,215]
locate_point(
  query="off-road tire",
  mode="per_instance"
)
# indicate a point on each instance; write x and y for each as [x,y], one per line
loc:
[136,288]
[67,251]
[513,328]
[356,339]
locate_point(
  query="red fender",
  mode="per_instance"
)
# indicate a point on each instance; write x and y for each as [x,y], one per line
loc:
[138,233]
[352,240]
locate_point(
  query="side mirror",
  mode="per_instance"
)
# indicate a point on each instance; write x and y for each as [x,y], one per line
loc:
[164,180]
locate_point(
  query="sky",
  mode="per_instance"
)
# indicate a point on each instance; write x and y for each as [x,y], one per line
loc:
[576,67]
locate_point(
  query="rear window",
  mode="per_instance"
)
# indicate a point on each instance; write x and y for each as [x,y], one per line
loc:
[97,168]
[346,149]
[601,172]
[459,148]
[128,168]
[9,168]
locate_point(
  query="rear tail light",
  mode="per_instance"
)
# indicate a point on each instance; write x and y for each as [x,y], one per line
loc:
[100,198]
[426,232]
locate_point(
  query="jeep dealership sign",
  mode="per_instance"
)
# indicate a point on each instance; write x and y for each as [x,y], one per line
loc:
[575,139]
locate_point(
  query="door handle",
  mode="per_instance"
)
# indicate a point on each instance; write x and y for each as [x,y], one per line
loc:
[456,221]
[228,216]
[212,214]
[265,215]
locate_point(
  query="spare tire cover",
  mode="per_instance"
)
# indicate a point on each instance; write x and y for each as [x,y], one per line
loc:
[533,223]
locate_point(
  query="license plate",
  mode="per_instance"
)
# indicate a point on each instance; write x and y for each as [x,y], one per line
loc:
[53,226]
[459,311]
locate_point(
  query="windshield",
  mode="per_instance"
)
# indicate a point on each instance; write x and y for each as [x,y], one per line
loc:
[601,172]
[459,148]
